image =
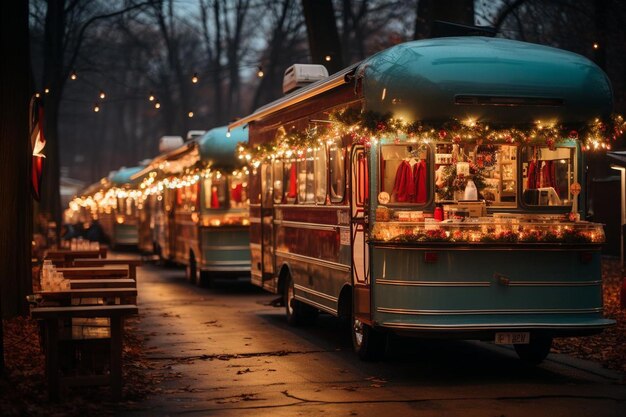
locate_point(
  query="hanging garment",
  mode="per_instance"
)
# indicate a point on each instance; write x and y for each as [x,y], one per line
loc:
[419,179]
[531,182]
[293,186]
[547,175]
[235,193]
[215,203]
[404,186]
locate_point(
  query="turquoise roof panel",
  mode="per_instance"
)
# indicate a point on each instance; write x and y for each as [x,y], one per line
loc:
[217,148]
[123,175]
[488,79]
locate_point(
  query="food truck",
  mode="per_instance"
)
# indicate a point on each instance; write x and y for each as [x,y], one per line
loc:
[435,189]
[195,207]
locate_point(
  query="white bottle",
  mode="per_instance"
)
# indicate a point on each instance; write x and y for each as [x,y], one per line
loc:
[471,193]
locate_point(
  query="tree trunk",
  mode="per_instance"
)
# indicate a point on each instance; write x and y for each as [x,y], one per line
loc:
[454,11]
[15,158]
[323,36]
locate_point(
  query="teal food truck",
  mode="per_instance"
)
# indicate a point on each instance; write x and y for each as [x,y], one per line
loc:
[436,189]
[197,202]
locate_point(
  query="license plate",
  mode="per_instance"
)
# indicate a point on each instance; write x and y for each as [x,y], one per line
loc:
[513,338]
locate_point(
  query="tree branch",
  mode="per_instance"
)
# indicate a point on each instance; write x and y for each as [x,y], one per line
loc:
[81,33]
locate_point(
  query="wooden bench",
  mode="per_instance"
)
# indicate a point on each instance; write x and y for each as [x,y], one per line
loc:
[67,297]
[131,263]
[77,284]
[51,317]
[113,271]
[67,256]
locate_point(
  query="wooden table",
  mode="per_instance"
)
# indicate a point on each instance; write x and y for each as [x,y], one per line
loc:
[50,317]
[65,297]
[69,255]
[132,264]
[86,272]
[77,284]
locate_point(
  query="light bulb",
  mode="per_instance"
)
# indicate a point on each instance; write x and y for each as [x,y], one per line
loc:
[327,58]
[96,108]
[102,95]
[194,79]
[157,105]
[190,114]
[73,75]
[151,97]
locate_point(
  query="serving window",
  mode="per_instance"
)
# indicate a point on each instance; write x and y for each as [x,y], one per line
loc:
[216,195]
[320,171]
[548,175]
[405,173]
[476,172]
[306,178]
[337,173]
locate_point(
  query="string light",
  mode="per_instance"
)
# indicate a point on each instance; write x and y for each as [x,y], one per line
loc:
[96,108]
[596,45]
[47,91]
[151,97]
[190,114]
[327,58]
[157,105]
[37,95]
[73,75]
[102,95]
[194,79]
[260,72]
[228,133]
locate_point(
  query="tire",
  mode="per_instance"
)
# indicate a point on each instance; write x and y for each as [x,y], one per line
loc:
[296,311]
[191,271]
[536,351]
[369,344]
[205,280]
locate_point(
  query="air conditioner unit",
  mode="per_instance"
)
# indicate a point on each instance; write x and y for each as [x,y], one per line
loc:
[299,75]
[169,143]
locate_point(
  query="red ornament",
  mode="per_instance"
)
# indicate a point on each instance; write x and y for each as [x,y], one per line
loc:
[381,126]
[573,134]
[551,144]
[456,139]
[443,134]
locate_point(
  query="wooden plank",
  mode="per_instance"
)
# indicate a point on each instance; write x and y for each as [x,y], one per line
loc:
[83,311]
[76,284]
[95,271]
[87,293]
[131,263]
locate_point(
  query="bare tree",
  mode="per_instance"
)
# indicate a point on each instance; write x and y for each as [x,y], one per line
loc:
[285,46]
[322,34]
[66,27]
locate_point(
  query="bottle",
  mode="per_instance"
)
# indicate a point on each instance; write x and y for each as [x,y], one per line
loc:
[471,193]
[438,215]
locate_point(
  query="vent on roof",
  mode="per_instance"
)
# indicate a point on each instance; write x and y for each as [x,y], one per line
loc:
[169,143]
[507,101]
[299,75]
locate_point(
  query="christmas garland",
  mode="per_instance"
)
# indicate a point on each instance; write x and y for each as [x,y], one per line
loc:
[361,127]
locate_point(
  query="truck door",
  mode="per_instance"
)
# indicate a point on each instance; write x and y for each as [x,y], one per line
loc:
[359,189]
[267,223]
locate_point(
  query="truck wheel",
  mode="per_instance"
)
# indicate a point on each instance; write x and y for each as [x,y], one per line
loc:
[191,271]
[297,312]
[368,343]
[536,351]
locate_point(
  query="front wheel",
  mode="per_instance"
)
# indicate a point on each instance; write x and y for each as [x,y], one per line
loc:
[297,312]
[191,271]
[536,351]
[368,343]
